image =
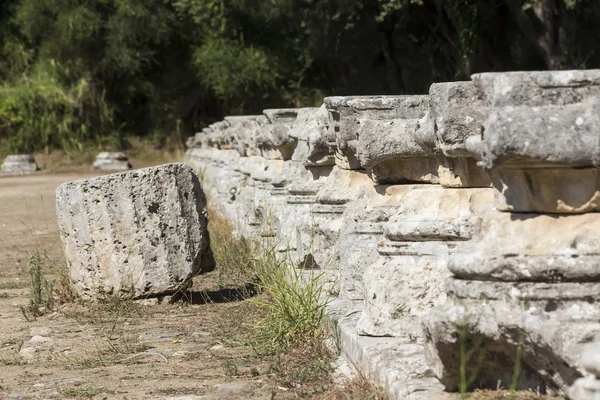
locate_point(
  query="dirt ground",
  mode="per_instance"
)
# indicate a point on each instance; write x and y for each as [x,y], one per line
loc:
[120,351]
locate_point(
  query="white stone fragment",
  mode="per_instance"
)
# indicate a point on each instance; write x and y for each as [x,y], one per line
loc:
[107,161]
[19,164]
[134,234]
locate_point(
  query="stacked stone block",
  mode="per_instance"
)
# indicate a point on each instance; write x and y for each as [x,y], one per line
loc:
[464,217]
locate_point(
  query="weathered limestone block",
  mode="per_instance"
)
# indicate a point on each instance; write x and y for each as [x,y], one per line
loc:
[296,226]
[407,139]
[19,164]
[361,234]
[112,161]
[588,387]
[530,273]
[274,140]
[379,254]
[456,113]
[269,195]
[219,136]
[353,117]
[541,140]
[219,166]
[134,234]
[550,322]
[533,248]
[310,130]
[339,189]
[306,173]
[407,278]
[527,284]
[243,130]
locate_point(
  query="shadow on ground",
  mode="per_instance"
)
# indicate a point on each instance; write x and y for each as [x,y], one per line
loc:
[225,295]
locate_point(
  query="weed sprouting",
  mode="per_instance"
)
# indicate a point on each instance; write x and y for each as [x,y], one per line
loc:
[41,296]
[517,370]
[466,358]
[63,287]
[293,303]
[289,329]
[235,255]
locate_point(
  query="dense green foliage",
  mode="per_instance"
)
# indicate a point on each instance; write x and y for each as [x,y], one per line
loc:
[78,71]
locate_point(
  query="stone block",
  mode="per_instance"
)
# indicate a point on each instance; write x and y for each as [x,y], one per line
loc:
[588,387]
[406,278]
[456,112]
[354,117]
[540,138]
[309,130]
[107,161]
[19,164]
[274,140]
[544,326]
[533,248]
[135,234]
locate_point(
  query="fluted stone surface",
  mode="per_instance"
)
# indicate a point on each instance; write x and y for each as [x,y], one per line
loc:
[134,234]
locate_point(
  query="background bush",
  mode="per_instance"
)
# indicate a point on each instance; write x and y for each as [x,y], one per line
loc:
[74,72]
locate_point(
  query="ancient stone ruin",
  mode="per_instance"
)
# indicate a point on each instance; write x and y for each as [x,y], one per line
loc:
[19,164]
[112,161]
[135,234]
[462,219]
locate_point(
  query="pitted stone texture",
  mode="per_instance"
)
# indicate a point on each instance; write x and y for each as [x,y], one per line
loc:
[134,234]
[588,388]
[398,142]
[107,161]
[549,322]
[19,164]
[395,364]
[532,247]
[274,140]
[542,136]
[381,140]
[310,130]
[537,88]
[456,112]
[407,278]
[243,130]
[349,116]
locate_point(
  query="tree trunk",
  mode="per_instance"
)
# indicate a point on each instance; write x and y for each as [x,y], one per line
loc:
[393,69]
[546,43]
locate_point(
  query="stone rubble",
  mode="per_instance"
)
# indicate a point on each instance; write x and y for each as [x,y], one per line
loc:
[19,164]
[115,161]
[135,234]
[462,219]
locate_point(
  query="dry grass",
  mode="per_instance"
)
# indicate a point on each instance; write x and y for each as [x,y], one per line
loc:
[508,395]
[14,284]
[358,388]
[236,256]
[82,391]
